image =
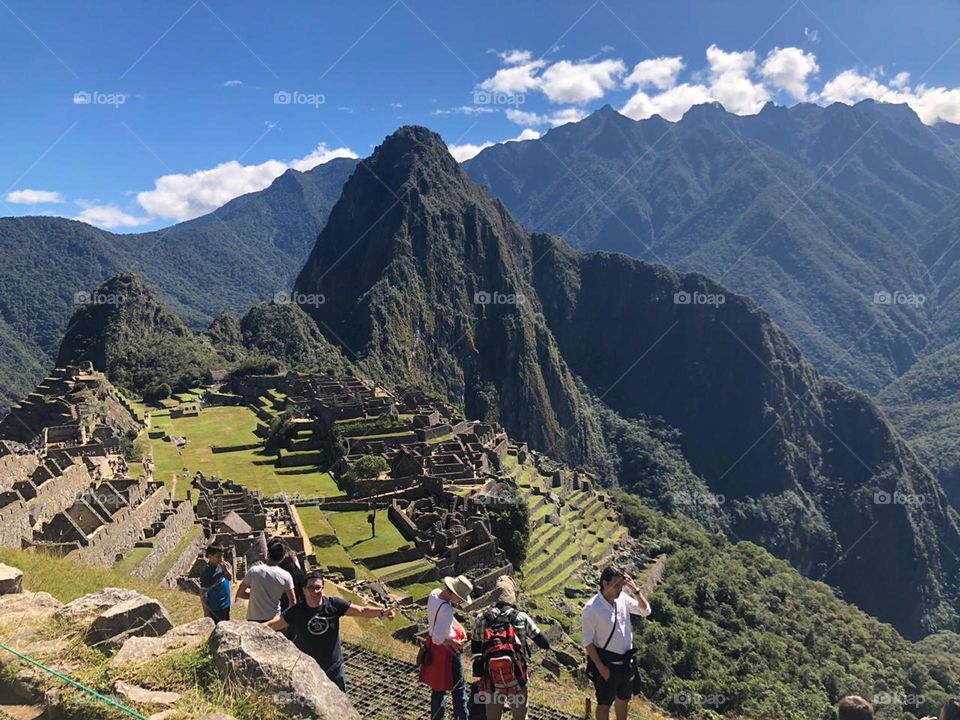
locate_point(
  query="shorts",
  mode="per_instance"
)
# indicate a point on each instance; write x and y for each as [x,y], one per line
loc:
[618,687]
[220,615]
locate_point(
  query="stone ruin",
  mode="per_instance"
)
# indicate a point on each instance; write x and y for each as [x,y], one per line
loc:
[64,487]
[243,522]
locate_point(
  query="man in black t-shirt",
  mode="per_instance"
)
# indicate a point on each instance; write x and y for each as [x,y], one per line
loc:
[316,622]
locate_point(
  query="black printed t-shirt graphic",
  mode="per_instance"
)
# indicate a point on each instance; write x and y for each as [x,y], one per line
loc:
[318,630]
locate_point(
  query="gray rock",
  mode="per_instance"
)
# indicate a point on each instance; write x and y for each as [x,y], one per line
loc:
[11,580]
[551,665]
[255,656]
[138,651]
[572,592]
[565,658]
[84,609]
[136,616]
[142,696]
[28,607]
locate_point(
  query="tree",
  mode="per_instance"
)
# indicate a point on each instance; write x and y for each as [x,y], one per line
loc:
[369,466]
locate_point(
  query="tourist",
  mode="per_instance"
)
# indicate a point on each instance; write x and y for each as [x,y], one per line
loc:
[608,640]
[950,711]
[215,585]
[499,640]
[291,564]
[316,624]
[854,707]
[264,585]
[446,642]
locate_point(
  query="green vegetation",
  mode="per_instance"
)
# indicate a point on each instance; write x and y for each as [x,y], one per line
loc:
[228,426]
[60,578]
[353,532]
[731,622]
[129,562]
[368,466]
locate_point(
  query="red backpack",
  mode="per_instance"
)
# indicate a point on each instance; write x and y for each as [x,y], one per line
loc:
[503,663]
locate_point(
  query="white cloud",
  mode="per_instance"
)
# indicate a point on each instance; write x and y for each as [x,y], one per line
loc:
[33,197]
[560,117]
[514,79]
[515,57]
[788,69]
[464,152]
[670,105]
[730,83]
[811,34]
[931,104]
[569,82]
[185,196]
[233,83]
[464,110]
[107,216]
[659,73]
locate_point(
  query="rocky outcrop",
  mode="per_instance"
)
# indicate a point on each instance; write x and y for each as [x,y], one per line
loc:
[11,580]
[137,651]
[136,616]
[84,609]
[260,658]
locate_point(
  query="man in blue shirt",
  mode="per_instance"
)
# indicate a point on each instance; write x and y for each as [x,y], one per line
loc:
[215,585]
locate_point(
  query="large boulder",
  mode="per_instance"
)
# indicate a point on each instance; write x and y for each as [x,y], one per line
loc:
[138,651]
[84,609]
[28,607]
[257,657]
[134,617]
[11,580]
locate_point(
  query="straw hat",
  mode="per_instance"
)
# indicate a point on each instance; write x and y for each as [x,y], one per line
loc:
[505,591]
[459,586]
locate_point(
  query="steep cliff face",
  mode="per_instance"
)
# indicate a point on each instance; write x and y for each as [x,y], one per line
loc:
[807,467]
[417,276]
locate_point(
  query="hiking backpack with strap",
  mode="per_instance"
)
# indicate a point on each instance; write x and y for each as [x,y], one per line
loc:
[503,663]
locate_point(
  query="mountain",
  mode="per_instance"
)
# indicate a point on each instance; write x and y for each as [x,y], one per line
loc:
[421,275]
[248,250]
[814,212]
[146,349]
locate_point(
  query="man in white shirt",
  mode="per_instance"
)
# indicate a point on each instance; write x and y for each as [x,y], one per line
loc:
[446,631]
[264,585]
[608,640]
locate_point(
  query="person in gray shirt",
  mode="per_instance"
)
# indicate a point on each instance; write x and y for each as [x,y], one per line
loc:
[264,585]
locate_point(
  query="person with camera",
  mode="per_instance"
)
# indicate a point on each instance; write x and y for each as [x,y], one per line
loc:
[608,640]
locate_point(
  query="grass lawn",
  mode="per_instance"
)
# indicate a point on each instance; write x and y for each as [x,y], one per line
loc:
[228,426]
[129,562]
[67,580]
[326,547]
[353,531]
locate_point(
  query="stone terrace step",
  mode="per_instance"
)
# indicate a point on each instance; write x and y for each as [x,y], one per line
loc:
[382,687]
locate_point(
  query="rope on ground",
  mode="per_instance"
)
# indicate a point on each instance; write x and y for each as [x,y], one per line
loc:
[84,688]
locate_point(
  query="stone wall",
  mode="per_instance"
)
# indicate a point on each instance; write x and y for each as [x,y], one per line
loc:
[59,493]
[174,528]
[14,521]
[183,564]
[14,467]
[120,535]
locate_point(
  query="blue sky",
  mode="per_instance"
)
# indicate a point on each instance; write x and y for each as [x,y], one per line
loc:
[136,115]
